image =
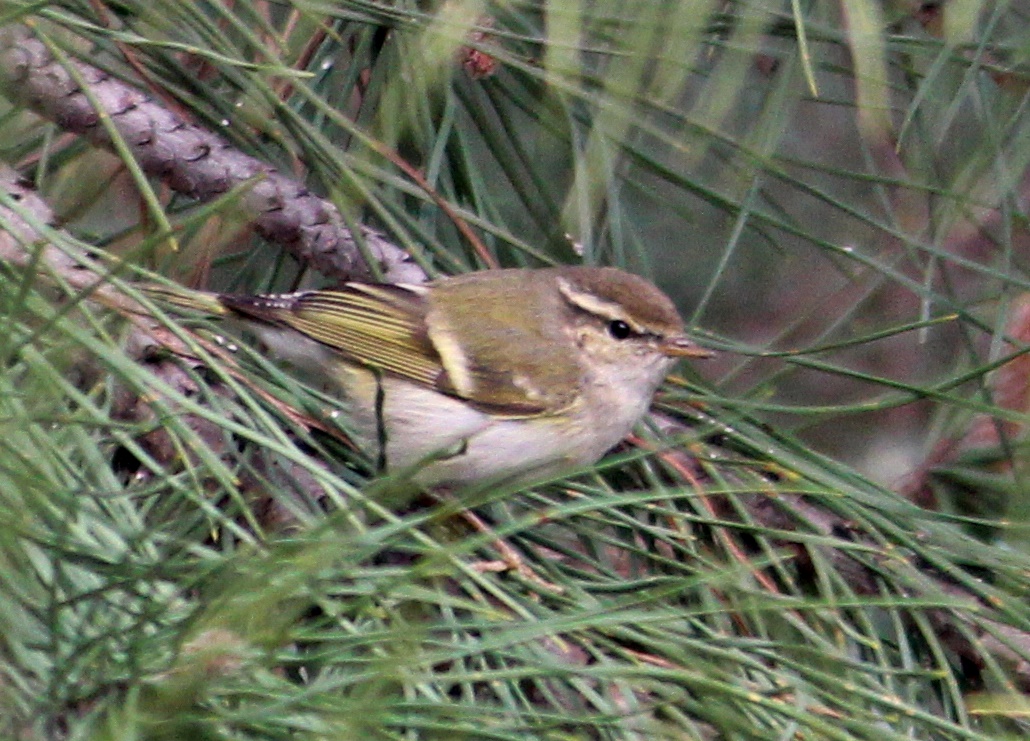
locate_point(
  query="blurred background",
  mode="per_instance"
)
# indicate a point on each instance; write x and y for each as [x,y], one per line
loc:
[835,193]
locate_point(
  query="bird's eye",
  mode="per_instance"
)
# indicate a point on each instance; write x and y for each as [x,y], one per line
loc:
[619,329]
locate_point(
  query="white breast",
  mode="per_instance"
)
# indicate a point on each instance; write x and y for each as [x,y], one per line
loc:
[443,440]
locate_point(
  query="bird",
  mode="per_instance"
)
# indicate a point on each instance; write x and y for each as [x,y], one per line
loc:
[515,374]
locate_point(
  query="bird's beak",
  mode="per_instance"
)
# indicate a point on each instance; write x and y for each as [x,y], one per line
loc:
[680,347]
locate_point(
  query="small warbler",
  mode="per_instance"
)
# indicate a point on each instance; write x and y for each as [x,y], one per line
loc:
[498,374]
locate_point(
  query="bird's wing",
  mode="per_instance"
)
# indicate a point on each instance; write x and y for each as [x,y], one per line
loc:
[510,353]
[376,326]
[385,327]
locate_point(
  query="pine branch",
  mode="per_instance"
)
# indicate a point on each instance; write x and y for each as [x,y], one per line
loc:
[966,628]
[192,160]
[965,631]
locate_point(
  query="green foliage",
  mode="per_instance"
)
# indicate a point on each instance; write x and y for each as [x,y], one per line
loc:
[834,192]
